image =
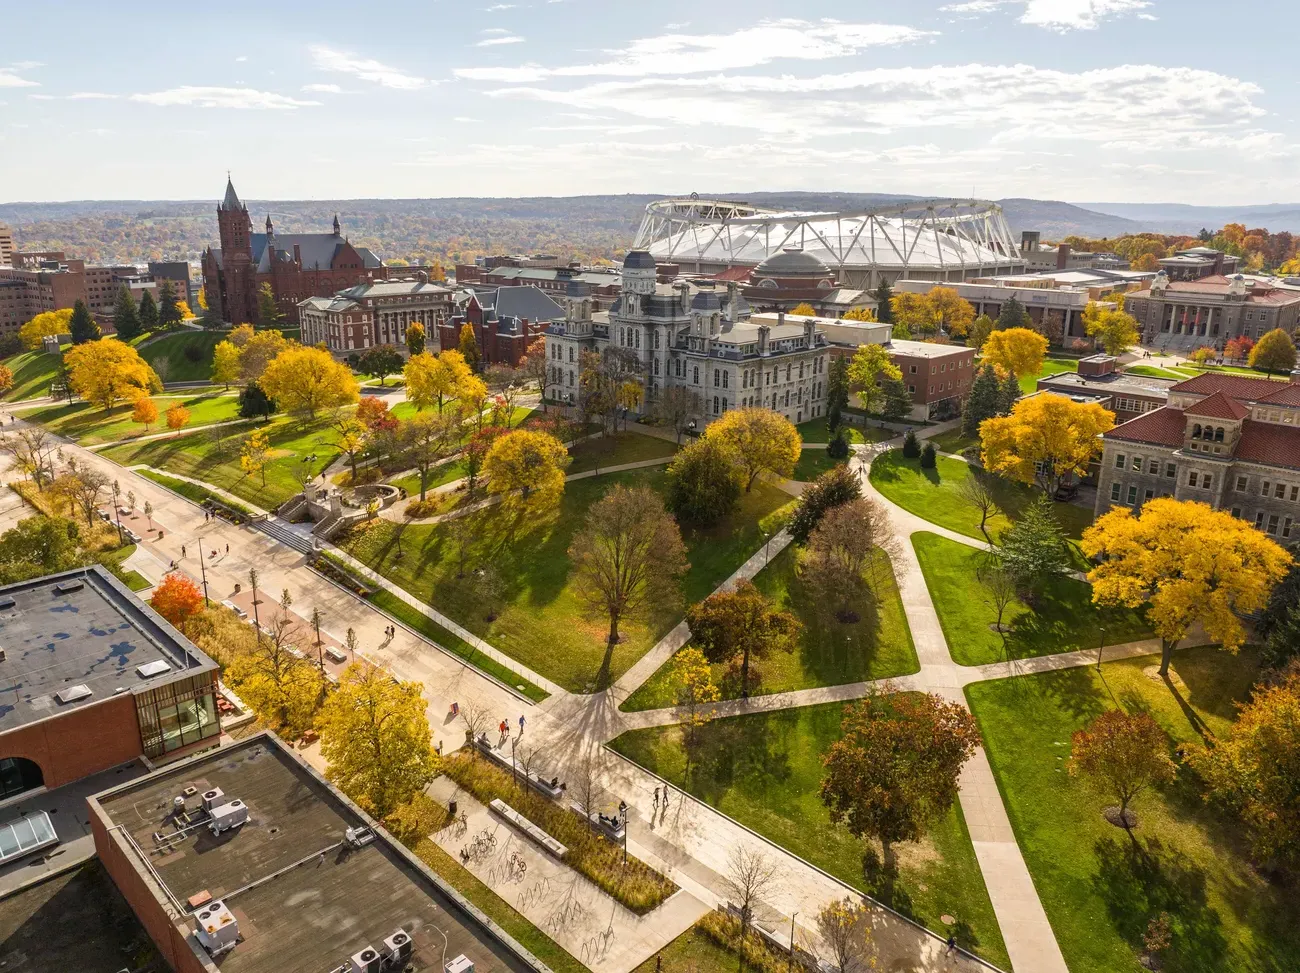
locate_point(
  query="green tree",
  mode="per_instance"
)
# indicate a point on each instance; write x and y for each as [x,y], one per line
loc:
[985,401]
[911,445]
[254,403]
[884,295]
[897,402]
[126,316]
[1012,315]
[980,330]
[837,391]
[380,362]
[169,307]
[838,485]
[929,458]
[1274,352]
[268,311]
[1279,622]
[1008,394]
[374,736]
[468,346]
[148,313]
[870,366]
[37,546]
[894,770]
[81,325]
[1033,549]
[741,622]
[703,486]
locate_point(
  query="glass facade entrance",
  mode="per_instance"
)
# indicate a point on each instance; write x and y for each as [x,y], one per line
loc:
[178,714]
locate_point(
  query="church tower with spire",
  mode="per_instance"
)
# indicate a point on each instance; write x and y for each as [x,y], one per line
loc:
[238,295]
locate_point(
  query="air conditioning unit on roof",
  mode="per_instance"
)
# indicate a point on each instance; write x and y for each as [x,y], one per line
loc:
[397,948]
[217,929]
[367,960]
[213,797]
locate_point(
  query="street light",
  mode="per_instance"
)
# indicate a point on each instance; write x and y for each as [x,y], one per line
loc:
[203,570]
[316,615]
[791,965]
[766,555]
[257,624]
[1102,629]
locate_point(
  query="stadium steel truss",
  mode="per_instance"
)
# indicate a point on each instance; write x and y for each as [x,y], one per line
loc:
[932,239]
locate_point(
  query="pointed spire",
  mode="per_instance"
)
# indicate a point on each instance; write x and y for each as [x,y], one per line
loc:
[336,224]
[270,230]
[231,201]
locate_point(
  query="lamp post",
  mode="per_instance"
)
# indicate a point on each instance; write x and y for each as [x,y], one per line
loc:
[257,624]
[1100,647]
[767,537]
[791,964]
[622,813]
[316,615]
[117,512]
[203,570]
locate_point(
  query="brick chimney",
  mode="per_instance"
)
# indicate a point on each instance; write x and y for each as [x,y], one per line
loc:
[1062,256]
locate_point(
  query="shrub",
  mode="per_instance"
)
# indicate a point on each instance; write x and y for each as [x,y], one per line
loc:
[427,507]
[193,353]
[911,445]
[838,447]
[928,459]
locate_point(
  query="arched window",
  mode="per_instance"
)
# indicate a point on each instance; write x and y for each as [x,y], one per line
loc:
[696,380]
[1196,431]
[18,774]
[1218,434]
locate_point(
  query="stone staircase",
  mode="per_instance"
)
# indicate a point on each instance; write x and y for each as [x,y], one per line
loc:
[285,534]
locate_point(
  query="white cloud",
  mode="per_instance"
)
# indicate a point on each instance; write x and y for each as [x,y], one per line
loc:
[498,41]
[9,76]
[214,97]
[76,96]
[1058,15]
[328,59]
[327,89]
[497,7]
[494,30]
[1178,105]
[241,58]
[677,53]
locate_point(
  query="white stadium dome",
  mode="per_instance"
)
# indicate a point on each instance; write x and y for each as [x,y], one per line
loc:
[933,239]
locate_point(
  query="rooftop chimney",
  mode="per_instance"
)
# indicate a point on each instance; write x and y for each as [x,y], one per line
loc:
[1062,256]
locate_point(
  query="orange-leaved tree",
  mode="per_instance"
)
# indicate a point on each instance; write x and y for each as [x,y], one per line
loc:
[176,599]
[178,418]
[145,412]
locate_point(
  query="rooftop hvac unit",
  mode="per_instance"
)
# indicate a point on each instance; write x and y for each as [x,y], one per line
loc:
[461,964]
[213,797]
[227,816]
[217,928]
[397,948]
[367,961]
[358,837]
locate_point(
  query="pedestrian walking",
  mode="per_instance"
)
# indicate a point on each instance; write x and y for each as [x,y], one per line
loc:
[656,803]
[665,797]
[504,728]
[952,945]
[521,724]
[182,550]
[227,548]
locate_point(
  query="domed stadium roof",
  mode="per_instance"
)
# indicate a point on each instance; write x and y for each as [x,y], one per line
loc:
[792,262]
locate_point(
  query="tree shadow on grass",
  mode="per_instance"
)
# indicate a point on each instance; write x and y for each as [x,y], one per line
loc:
[1139,878]
[747,751]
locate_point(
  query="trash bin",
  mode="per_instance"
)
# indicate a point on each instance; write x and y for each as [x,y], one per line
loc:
[451,807]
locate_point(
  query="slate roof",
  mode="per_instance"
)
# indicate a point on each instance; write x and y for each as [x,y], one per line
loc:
[232,198]
[317,250]
[1266,442]
[1163,427]
[392,288]
[1218,406]
[521,302]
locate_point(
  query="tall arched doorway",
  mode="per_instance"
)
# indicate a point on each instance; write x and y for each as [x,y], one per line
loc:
[18,774]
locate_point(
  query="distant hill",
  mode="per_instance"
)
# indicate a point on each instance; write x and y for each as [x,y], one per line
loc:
[451,229]
[1182,218]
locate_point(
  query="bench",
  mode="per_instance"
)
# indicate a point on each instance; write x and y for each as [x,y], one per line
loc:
[552,790]
[609,825]
[529,829]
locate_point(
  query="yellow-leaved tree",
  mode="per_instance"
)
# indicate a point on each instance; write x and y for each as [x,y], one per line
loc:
[1018,351]
[803,310]
[761,440]
[1187,563]
[860,314]
[225,364]
[107,372]
[45,323]
[870,366]
[526,469]
[1046,440]
[254,454]
[374,735]
[914,312]
[306,380]
[954,313]
[435,378]
[257,349]
[1116,331]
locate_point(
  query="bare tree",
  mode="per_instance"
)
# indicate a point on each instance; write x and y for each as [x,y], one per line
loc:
[533,366]
[84,488]
[845,929]
[1000,592]
[975,492]
[749,877]
[677,405]
[583,776]
[477,720]
[844,554]
[32,448]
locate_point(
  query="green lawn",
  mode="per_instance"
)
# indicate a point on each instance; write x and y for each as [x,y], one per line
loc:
[526,605]
[933,495]
[33,373]
[131,578]
[438,475]
[88,424]
[815,431]
[812,464]
[1153,371]
[615,450]
[953,441]
[765,769]
[1064,620]
[1051,366]
[197,455]
[185,356]
[830,653]
[1098,887]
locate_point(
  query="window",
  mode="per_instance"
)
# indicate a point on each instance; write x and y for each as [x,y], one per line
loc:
[725,379]
[1207,481]
[1263,490]
[933,370]
[177,714]
[1114,492]
[1153,467]
[1119,461]
[1259,520]
[1279,491]
[696,380]
[1171,470]
[911,369]
[1191,478]
[911,389]
[1272,524]
[715,405]
[932,390]
[1295,493]
[1286,527]
[1241,484]
[1236,512]
[1137,464]
[1132,495]
[1147,495]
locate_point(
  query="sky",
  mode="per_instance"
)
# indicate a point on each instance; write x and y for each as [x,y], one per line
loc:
[1188,101]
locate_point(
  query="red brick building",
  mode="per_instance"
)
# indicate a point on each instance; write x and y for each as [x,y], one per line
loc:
[296,265]
[506,321]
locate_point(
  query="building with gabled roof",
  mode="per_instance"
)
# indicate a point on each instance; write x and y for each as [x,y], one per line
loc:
[295,265]
[375,313]
[505,320]
[1231,441]
[1185,314]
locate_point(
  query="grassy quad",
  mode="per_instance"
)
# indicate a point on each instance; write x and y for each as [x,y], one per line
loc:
[1155,371]
[933,495]
[815,431]
[812,464]
[517,592]
[198,456]
[1064,620]
[1098,887]
[764,770]
[33,373]
[183,356]
[88,424]
[878,646]
[624,447]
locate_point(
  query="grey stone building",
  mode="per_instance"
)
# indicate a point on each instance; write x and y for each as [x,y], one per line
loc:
[1227,440]
[697,336]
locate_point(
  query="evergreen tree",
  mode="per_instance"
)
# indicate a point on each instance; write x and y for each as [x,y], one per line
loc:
[911,445]
[81,325]
[837,485]
[1033,548]
[268,311]
[884,295]
[169,309]
[837,391]
[985,401]
[1008,394]
[929,458]
[1279,622]
[126,316]
[838,447]
[1012,315]
[254,403]
[898,401]
[148,313]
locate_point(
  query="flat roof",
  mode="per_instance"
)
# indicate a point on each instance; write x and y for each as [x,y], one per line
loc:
[94,633]
[304,900]
[925,349]
[1118,383]
[75,920]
